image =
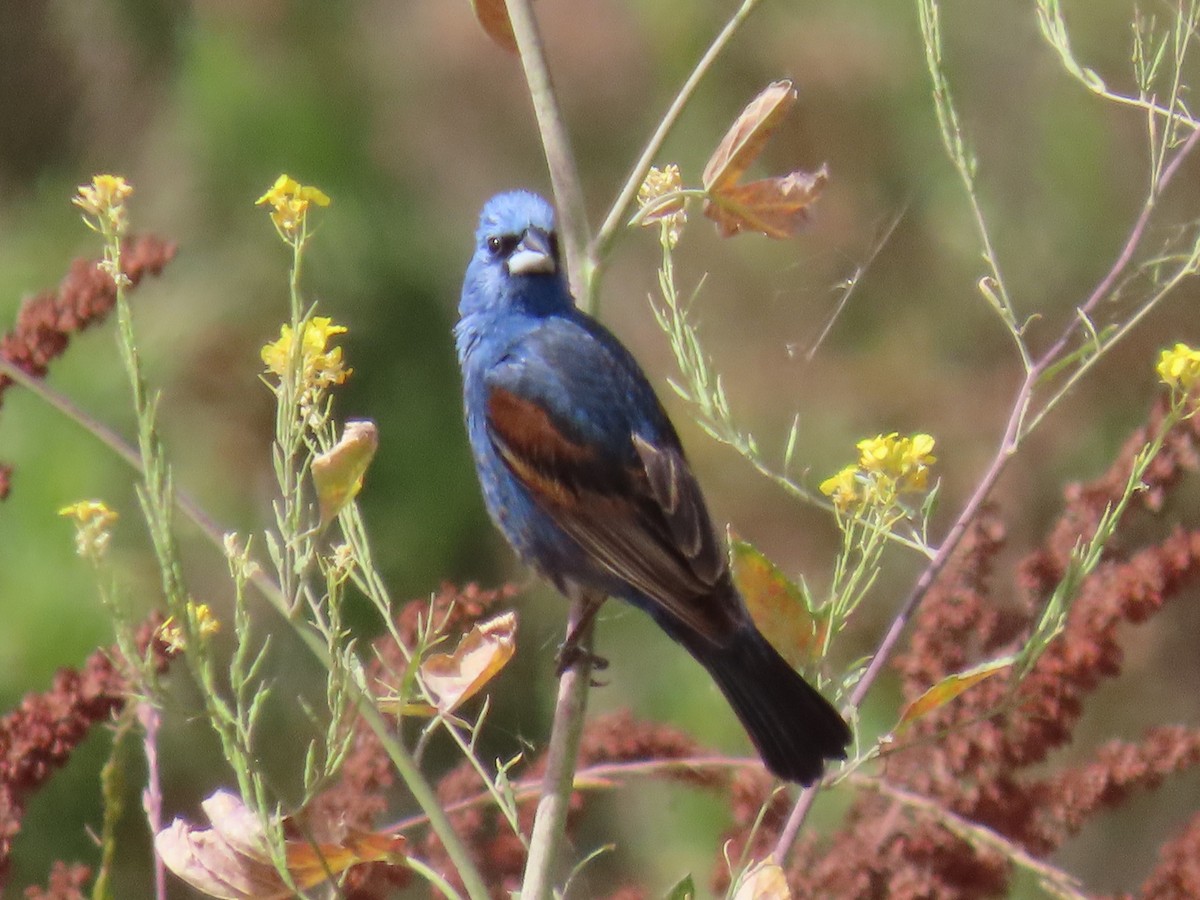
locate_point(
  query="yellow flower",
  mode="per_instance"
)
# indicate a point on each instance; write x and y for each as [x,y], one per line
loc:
[173,634]
[670,214]
[207,624]
[93,526]
[1179,368]
[842,488]
[87,512]
[904,462]
[321,367]
[879,454]
[289,201]
[104,202]
[916,456]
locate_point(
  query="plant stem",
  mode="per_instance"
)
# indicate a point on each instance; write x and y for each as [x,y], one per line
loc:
[558,782]
[564,177]
[1052,879]
[271,590]
[616,214]
[1016,429]
[550,819]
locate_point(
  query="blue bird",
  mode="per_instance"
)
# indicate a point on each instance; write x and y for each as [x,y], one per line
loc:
[584,475]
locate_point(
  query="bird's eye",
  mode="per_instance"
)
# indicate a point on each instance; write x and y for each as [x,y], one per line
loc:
[502,244]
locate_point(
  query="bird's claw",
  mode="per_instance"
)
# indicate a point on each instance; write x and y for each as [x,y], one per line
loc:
[570,654]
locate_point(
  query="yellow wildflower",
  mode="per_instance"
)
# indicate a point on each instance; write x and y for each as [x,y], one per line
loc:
[1179,368]
[670,214]
[321,367]
[207,624]
[916,456]
[103,203]
[87,512]
[879,454]
[93,526]
[171,633]
[888,466]
[289,201]
[842,488]
[902,461]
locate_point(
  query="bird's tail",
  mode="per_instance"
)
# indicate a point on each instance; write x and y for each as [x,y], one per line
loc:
[793,727]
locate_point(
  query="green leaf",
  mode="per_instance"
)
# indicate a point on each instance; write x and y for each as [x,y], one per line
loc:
[779,607]
[684,890]
[338,474]
[950,687]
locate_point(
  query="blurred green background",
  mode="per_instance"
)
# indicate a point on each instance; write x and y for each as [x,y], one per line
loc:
[409,117]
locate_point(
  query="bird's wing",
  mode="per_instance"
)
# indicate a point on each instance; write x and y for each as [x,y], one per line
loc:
[577,425]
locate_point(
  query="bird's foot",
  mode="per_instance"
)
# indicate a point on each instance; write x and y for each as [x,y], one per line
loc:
[570,654]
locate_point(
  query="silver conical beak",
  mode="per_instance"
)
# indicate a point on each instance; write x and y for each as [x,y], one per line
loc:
[533,256]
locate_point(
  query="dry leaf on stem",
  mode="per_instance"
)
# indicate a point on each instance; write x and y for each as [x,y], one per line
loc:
[231,860]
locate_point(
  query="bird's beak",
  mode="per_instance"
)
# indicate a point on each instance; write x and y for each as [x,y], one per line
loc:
[533,255]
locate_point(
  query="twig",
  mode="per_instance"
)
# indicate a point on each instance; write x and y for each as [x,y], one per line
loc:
[1055,880]
[568,194]
[1124,258]
[414,780]
[616,214]
[551,817]
[1016,429]
[597,777]
[151,721]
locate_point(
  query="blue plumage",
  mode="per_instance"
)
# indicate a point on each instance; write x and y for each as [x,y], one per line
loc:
[584,475]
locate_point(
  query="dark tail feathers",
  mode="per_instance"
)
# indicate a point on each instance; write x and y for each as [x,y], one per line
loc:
[794,728]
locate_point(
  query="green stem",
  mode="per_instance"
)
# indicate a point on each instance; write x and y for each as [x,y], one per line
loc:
[270,589]
[616,214]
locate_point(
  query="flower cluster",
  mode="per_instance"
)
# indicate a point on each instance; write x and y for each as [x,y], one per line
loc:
[173,635]
[888,466]
[1179,368]
[321,365]
[103,203]
[93,527]
[669,213]
[289,201]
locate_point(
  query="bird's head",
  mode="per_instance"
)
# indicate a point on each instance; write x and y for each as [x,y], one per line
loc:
[516,264]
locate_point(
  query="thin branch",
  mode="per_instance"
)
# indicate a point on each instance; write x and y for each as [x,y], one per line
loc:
[1055,880]
[1125,257]
[1016,429]
[564,177]
[550,819]
[616,214]
[598,777]
[414,780]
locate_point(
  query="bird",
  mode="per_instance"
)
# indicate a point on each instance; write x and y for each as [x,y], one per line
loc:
[584,475]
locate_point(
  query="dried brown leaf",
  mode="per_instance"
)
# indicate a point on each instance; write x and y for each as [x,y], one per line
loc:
[231,860]
[493,17]
[744,141]
[777,207]
[454,678]
[765,881]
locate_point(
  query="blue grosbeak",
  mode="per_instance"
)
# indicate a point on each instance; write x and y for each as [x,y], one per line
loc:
[584,474]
